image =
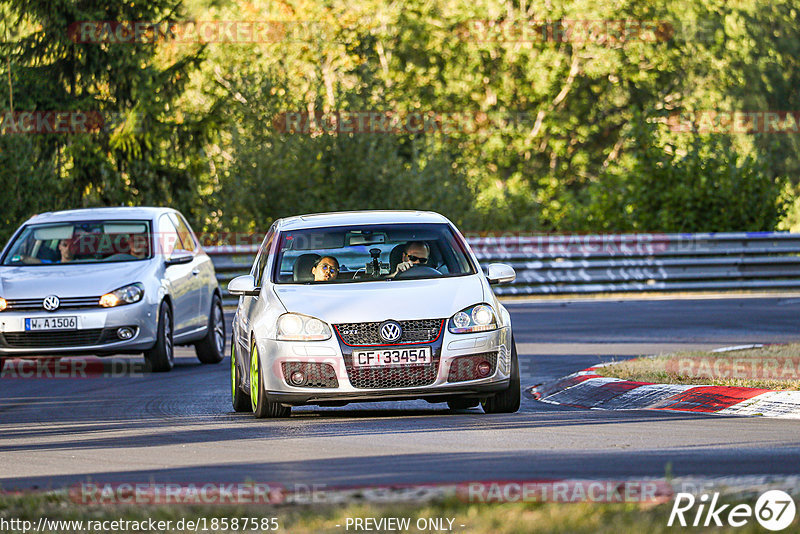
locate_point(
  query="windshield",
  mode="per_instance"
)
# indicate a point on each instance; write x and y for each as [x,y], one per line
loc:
[80,243]
[362,253]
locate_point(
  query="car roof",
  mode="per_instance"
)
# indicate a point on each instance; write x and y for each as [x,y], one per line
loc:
[343,218]
[88,214]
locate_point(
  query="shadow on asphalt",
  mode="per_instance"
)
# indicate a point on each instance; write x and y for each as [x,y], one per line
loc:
[306,424]
[445,467]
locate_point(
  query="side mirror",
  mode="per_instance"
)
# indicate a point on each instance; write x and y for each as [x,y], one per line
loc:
[178,257]
[500,273]
[243,286]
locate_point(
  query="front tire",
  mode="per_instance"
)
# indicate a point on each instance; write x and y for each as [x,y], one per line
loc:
[507,401]
[241,400]
[211,349]
[161,358]
[261,406]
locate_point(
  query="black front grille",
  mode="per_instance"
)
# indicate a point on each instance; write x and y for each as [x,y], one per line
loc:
[20,340]
[59,338]
[415,331]
[318,375]
[407,376]
[65,302]
[466,367]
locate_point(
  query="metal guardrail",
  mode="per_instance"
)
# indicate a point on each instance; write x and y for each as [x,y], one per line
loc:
[563,264]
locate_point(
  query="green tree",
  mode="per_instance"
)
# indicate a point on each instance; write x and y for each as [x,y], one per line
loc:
[146,152]
[704,188]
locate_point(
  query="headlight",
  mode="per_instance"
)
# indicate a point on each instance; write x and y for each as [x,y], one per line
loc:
[3,304]
[296,327]
[478,318]
[124,295]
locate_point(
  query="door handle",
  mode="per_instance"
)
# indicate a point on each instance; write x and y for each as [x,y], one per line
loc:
[195,272]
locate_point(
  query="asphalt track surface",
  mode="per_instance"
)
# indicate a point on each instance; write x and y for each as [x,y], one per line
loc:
[179,427]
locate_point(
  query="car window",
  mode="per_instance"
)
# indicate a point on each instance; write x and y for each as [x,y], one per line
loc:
[99,241]
[263,256]
[186,241]
[168,235]
[370,252]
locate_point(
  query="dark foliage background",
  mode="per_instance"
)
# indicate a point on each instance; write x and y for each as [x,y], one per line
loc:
[578,138]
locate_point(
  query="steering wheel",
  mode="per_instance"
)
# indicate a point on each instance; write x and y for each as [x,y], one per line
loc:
[418,271]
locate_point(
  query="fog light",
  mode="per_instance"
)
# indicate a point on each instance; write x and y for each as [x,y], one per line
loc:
[484,368]
[298,378]
[126,332]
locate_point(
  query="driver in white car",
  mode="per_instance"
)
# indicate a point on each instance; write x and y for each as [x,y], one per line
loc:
[416,253]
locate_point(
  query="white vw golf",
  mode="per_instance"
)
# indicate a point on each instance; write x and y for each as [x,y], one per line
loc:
[370,306]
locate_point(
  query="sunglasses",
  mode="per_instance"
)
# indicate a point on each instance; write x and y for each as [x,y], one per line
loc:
[417,258]
[326,267]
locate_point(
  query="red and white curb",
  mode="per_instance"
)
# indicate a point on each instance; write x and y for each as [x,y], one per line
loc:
[587,389]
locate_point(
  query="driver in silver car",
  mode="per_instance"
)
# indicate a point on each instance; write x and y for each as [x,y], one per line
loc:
[416,253]
[66,248]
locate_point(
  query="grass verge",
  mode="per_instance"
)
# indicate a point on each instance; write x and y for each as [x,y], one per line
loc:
[770,367]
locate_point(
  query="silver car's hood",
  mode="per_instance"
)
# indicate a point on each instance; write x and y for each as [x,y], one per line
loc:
[88,280]
[378,301]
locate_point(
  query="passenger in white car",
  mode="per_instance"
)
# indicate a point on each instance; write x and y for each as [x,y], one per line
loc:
[325,269]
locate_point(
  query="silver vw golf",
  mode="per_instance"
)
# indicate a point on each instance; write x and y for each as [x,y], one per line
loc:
[109,281]
[370,306]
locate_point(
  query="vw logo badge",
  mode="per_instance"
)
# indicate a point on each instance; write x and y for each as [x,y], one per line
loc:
[390,331]
[51,303]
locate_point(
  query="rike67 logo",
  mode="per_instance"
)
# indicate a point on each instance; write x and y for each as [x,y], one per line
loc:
[774,510]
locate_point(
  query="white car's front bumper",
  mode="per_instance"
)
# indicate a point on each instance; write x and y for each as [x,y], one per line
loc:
[335,379]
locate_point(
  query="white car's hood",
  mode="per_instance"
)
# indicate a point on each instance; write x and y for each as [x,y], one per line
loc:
[382,300]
